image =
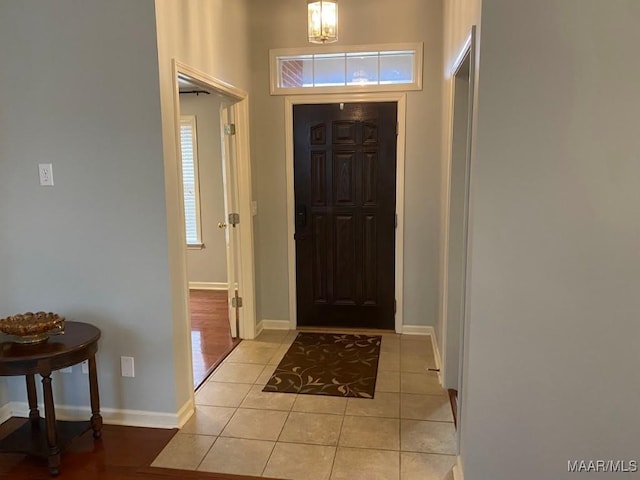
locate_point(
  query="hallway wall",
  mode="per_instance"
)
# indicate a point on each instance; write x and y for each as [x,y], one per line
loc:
[283,24]
[553,356]
[87,86]
[79,89]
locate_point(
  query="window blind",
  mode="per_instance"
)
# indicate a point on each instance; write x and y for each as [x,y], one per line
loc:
[190,180]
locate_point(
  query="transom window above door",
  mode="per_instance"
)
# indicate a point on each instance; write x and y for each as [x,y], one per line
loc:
[367,68]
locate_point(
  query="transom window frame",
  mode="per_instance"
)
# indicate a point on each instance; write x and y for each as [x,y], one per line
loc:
[276,54]
[191,122]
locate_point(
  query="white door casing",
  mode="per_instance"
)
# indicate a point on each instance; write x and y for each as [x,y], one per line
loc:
[289,102]
[237,193]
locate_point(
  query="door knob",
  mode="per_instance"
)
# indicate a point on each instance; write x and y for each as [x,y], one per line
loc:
[222,225]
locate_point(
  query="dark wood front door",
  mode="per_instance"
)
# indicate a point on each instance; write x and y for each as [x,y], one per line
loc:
[345,192]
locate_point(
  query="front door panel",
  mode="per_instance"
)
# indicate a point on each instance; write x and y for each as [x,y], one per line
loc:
[345,189]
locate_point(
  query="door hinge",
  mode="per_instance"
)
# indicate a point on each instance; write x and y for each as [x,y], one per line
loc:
[396,221]
[229,128]
[236,302]
[234,219]
[395,306]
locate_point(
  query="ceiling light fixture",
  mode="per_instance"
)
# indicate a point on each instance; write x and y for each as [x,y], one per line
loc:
[322,21]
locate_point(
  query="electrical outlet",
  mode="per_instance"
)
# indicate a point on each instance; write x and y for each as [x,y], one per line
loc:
[254,208]
[66,370]
[45,172]
[127,367]
[85,367]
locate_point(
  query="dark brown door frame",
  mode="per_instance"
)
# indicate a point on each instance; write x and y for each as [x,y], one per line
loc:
[400,98]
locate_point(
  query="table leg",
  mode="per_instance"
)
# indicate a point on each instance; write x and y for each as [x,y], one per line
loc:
[96,418]
[50,416]
[34,414]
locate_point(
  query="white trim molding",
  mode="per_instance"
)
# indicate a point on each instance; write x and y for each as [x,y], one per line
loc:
[436,352]
[185,412]
[238,102]
[427,330]
[468,50]
[401,99]
[458,474]
[110,416]
[5,412]
[415,48]
[208,286]
[275,324]
[417,330]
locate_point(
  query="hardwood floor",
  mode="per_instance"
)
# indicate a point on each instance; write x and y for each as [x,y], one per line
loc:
[123,453]
[211,338]
[453,398]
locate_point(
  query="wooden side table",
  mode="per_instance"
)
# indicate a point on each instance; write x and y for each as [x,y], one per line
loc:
[79,343]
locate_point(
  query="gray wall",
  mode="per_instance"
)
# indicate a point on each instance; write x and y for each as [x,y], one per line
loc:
[210,263]
[88,87]
[552,355]
[79,89]
[280,25]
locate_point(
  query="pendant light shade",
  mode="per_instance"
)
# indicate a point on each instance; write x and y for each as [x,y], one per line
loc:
[322,21]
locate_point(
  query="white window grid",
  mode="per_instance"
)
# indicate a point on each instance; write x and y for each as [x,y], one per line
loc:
[342,54]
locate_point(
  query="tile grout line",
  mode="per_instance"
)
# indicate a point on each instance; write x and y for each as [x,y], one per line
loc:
[277,438]
[207,453]
[321,444]
[335,454]
[270,455]
[400,422]
[240,406]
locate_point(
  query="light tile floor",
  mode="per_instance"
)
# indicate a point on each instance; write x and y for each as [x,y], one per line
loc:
[405,433]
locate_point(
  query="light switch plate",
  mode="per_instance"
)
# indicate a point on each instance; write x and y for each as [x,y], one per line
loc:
[127,367]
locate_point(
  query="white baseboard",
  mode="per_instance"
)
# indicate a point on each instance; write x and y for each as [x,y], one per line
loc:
[436,350]
[5,412]
[275,324]
[457,470]
[208,286]
[417,330]
[427,330]
[111,416]
[259,329]
[272,325]
[185,412]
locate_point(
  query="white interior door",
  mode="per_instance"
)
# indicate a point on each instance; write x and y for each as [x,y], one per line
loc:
[229,178]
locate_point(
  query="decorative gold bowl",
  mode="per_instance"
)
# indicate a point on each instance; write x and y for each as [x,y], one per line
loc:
[32,327]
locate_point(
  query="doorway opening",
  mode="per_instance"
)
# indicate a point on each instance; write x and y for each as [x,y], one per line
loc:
[457,226]
[345,199]
[213,146]
[204,183]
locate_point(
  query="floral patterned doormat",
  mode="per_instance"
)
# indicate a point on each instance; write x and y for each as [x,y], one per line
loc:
[328,364]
